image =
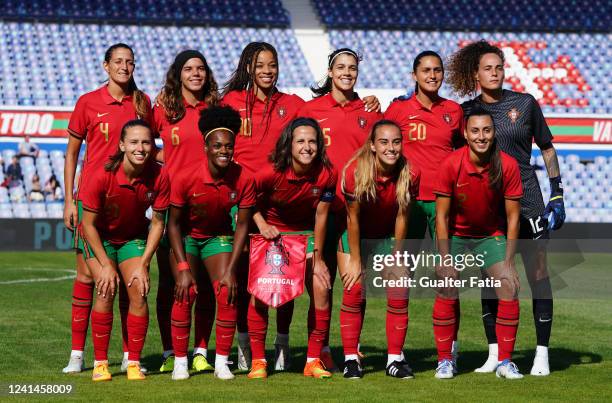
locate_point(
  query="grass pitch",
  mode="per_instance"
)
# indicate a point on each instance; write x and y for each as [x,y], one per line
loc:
[35,291]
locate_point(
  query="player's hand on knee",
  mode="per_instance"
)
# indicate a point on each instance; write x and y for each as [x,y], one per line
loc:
[141,278]
[181,288]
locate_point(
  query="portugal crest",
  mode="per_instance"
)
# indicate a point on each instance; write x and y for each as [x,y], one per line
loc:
[150,195]
[277,258]
[514,114]
[362,122]
[233,195]
[281,112]
[447,118]
[316,191]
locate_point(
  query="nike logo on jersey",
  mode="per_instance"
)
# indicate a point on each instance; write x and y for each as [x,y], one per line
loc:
[102,114]
[462,184]
[322,120]
[198,194]
[413,116]
[241,109]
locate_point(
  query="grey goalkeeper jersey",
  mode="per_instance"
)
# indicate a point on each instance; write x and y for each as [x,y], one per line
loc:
[518,122]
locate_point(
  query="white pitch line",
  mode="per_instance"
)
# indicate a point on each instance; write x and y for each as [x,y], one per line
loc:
[39,280]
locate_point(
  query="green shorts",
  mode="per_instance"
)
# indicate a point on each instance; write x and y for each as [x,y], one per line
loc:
[422,216]
[207,247]
[489,250]
[382,246]
[77,237]
[119,253]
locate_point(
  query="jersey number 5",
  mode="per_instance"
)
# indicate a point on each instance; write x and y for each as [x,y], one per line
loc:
[326,131]
[417,131]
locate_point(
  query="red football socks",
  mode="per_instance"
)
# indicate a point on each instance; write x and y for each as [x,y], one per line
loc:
[258,327]
[351,318]
[226,322]
[101,327]
[317,330]
[137,332]
[181,324]
[82,297]
[445,326]
[506,326]
[397,325]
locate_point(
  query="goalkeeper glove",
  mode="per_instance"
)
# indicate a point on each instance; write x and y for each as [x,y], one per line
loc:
[554,212]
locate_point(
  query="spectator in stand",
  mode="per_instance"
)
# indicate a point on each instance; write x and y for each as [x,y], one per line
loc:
[53,190]
[28,148]
[36,194]
[13,173]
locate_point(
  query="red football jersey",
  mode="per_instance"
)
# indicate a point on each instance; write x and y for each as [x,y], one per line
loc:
[377,217]
[121,205]
[98,119]
[477,210]
[345,128]
[208,201]
[183,142]
[253,147]
[429,135]
[288,201]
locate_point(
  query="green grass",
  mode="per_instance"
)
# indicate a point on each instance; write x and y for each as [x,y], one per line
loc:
[35,343]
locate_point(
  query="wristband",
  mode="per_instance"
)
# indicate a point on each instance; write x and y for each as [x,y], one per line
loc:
[556,187]
[182,266]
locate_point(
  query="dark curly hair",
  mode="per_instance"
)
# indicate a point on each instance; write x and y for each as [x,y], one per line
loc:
[464,64]
[171,96]
[215,117]
[243,79]
[281,156]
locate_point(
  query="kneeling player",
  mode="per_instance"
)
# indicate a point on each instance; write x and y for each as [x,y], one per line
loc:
[115,200]
[205,194]
[379,187]
[294,195]
[477,209]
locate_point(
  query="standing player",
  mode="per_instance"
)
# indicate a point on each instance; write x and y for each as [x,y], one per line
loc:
[265,112]
[431,127]
[190,87]
[206,193]
[379,187]
[346,122]
[519,121]
[115,200]
[97,119]
[477,207]
[299,182]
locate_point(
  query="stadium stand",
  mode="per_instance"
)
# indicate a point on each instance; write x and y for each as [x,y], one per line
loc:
[202,12]
[565,72]
[74,53]
[459,15]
